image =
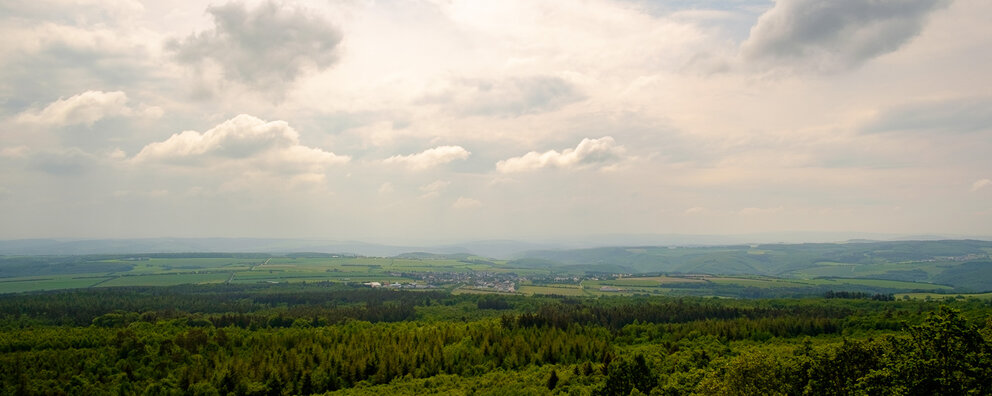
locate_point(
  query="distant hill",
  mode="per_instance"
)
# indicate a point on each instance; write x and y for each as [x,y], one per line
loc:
[434,256]
[963,264]
[494,249]
[180,245]
[960,263]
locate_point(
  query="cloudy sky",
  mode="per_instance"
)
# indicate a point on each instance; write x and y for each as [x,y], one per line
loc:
[451,120]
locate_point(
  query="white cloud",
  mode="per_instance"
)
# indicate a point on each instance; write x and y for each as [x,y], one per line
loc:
[836,35]
[268,145]
[86,108]
[429,158]
[905,125]
[980,184]
[466,203]
[589,152]
[695,210]
[117,154]
[433,190]
[267,47]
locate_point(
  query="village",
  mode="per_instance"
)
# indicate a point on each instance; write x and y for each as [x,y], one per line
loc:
[477,280]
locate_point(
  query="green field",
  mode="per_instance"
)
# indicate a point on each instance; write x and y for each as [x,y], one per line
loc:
[199,270]
[938,296]
[723,271]
[202,270]
[18,285]
[167,279]
[472,290]
[562,290]
[653,281]
[882,283]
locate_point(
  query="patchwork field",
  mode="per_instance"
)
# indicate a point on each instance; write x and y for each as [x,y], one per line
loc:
[943,267]
[165,271]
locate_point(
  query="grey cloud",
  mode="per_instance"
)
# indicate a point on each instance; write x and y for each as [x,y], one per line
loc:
[836,35]
[60,67]
[53,48]
[265,47]
[67,162]
[510,97]
[962,115]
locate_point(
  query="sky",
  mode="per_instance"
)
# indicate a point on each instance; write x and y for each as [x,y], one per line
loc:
[448,120]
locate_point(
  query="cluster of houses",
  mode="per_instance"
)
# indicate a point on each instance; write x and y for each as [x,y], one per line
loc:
[499,286]
[399,285]
[499,282]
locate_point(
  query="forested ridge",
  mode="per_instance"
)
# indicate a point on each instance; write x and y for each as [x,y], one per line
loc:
[325,337]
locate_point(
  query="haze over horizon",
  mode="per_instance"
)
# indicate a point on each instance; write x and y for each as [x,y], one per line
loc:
[477,120]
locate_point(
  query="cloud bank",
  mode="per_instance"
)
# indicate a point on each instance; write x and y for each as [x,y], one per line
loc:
[85,108]
[266,47]
[271,145]
[589,152]
[429,158]
[700,116]
[835,35]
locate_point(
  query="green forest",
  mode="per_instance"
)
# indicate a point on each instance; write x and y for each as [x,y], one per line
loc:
[347,338]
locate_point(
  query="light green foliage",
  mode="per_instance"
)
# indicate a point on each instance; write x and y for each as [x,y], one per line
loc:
[751,373]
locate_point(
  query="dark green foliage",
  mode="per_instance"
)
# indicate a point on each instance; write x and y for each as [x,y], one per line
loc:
[838,371]
[222,305]
[974,276]
[492,302]
[672,311]
[946,355]
[11,267]
[552,380]
[870,296]
[316,338]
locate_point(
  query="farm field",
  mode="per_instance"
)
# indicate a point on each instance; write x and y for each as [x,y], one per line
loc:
[167,279]
[214,270]
[167,271]
[18,285]
[938,296]
[945,267]
[556,290]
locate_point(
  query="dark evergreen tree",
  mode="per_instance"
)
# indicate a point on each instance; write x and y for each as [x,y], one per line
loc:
[552,380]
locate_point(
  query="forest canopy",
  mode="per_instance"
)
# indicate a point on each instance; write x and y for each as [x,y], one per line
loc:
[316,338]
